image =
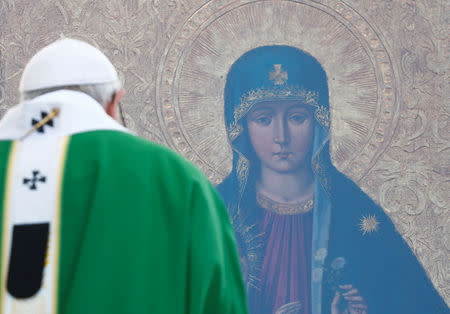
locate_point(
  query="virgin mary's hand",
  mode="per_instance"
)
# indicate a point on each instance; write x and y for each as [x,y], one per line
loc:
[355,303]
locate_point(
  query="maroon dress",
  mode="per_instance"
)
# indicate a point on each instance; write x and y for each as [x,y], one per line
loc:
[285,276]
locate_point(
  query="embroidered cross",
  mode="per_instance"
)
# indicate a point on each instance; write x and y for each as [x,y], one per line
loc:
[32,183]
[43,115]
[277,75]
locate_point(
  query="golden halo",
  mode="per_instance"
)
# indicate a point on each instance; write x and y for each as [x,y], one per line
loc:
[193,71]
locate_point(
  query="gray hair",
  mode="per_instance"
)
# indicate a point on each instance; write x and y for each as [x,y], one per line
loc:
[102,93]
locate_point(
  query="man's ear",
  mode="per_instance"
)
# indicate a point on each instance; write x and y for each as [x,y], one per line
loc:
[111,106]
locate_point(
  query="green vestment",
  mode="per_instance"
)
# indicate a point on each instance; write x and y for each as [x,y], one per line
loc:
[141,231]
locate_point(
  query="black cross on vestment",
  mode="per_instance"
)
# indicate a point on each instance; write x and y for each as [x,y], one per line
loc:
[41,129]
[32,183]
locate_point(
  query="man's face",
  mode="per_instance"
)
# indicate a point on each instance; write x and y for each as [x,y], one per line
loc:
[281,134]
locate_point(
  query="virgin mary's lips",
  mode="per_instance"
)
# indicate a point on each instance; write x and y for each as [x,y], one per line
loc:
[282,155]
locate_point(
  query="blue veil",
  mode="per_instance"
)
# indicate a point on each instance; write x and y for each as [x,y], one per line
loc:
[276,73]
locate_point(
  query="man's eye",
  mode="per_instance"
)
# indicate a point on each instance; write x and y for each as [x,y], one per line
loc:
[263,120]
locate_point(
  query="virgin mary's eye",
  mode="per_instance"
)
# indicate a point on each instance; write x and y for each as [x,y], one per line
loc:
[297,118]
[263,120]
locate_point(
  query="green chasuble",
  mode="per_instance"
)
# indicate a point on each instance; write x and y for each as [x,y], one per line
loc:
[139,230]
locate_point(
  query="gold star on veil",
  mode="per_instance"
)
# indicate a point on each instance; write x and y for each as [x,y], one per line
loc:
[368,224]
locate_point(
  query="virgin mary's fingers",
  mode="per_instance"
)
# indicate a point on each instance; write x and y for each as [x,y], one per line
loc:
[346,287]
[357,298]
[335,303]
[359,306]
[357,311]
[353,310]
[350,292]
[336,299]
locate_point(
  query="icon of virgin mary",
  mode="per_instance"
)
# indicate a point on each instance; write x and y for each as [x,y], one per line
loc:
[309,240]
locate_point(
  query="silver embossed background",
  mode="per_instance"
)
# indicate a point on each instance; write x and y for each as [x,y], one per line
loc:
[386,61]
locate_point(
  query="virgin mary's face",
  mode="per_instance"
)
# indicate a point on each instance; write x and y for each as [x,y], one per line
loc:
[281,134]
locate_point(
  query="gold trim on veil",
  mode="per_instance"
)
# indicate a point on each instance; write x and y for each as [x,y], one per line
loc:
[306,97]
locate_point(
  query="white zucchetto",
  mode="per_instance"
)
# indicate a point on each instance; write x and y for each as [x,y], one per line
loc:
[67,62]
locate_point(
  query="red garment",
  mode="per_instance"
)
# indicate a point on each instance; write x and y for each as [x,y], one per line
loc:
[285,273]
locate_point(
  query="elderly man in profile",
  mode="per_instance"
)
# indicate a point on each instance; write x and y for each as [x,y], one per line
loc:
[96,219]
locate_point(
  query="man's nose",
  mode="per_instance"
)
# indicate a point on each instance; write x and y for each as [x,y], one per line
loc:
[280,132]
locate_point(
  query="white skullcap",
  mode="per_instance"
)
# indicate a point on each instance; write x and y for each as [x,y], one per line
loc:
[67,62]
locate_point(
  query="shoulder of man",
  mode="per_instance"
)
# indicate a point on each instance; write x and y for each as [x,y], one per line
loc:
[133,152]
